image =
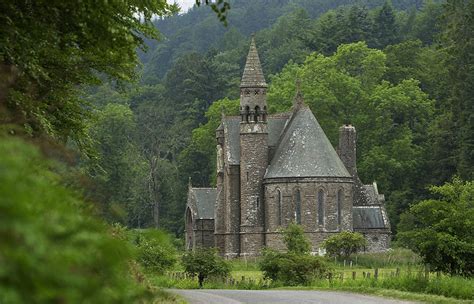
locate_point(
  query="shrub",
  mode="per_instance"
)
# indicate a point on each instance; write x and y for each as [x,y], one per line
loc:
[52,249]
[344,244]
[291,268]
[295,241]
[295,267]
[205,262]
[156,250]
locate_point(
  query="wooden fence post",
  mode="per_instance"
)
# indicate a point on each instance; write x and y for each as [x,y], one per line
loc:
[376,273]
[354,275]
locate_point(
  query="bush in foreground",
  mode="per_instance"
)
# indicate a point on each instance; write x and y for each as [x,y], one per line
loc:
[296,266]
[52,250]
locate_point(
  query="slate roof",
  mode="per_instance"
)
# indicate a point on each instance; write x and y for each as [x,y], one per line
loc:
[276,124]
[305,151]
[205,201]
[368,217]
[253,74]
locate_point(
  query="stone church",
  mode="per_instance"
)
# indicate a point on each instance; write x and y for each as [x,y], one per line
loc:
[276,169]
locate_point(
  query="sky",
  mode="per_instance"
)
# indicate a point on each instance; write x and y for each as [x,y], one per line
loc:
[185,4]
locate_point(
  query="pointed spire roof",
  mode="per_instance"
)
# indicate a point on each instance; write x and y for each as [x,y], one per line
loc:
[253,74]
[305,151]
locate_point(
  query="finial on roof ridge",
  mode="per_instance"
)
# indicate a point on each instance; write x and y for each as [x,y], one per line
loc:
[222,112]
[299,100]
[190,184]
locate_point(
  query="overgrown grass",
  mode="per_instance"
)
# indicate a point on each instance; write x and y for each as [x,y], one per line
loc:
[454,287]
[398,257]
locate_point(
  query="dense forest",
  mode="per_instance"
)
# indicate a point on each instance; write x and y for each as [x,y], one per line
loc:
[398,71]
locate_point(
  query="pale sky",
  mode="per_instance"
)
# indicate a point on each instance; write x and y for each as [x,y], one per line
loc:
[185,4]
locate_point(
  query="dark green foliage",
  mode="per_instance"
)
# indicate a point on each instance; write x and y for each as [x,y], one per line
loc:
[344,244]
[295,241]
[48,48]
[385,28]
[458,38]
[204,262]
[52,249]
[441,229]
[292,269]
[155,249]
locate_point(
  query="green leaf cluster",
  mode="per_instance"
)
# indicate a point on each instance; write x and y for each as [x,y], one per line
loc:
[344,244]
[440,229]
[53,249]
[205,262]
[296,266]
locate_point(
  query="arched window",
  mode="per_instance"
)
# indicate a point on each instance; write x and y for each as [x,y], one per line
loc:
[298,207]
[247,111]
[257,113]
[279,206]
[189,229]
[340,197]
[320,207]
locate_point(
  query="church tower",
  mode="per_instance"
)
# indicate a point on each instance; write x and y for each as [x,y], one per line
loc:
[253,154]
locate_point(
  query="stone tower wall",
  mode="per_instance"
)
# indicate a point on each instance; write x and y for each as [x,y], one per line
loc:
[253,163]
[232,210]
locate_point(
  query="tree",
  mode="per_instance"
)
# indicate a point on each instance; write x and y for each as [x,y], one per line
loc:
[53,249]
[458,38]
[295,241]
[48,49]
[52,47]
[344,244]
[205,262]
[385,26]
[119,170]
[440,229]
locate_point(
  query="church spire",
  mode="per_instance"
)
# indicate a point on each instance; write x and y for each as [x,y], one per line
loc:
[253,74]
[253,89]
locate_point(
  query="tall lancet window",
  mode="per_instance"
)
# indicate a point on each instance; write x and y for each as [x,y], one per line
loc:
[340,197]
[280,207]
[298,207]
[320,207]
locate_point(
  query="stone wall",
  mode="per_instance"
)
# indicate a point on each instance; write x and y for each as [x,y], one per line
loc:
[204,233]
[220,212]
[377,239]
[253,163]
[232,210]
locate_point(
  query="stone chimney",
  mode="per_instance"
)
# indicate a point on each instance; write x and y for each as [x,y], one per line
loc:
[347,148]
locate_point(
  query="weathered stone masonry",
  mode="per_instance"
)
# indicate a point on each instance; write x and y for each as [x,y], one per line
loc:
[276,169]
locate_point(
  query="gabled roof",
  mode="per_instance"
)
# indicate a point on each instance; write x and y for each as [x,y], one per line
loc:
[276,124]
[205,199]
[304,150]
[253,74]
